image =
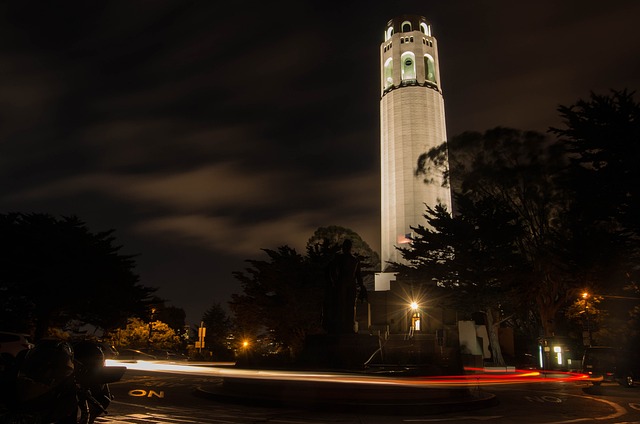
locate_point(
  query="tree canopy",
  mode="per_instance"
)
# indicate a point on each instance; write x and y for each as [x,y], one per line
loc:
[284,294]
[140,334]
[219,326]
[54,270]
[602,136]
[573,202]
[512,175]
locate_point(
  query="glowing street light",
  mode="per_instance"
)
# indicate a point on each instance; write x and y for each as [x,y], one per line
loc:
[415,318]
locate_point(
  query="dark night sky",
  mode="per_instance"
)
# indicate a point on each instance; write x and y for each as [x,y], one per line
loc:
[203,133]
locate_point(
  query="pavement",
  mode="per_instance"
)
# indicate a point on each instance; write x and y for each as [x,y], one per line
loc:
[358,397]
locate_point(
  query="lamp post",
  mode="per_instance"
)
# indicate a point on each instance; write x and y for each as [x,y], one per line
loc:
[415,318]
[153,311]
[585,297]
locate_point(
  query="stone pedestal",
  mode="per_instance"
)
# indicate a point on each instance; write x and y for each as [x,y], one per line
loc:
[337,351]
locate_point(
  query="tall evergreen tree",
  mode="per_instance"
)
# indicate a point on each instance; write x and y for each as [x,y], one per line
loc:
[219,326]
[469,262]
[518,171]
[284,294]
[59,271]
[602,135]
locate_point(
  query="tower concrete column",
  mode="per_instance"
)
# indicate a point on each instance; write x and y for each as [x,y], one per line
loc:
[412,121]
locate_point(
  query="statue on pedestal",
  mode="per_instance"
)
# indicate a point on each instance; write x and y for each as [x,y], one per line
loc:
[345,278]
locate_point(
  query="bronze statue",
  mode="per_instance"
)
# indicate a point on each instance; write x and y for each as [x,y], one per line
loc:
[345,278]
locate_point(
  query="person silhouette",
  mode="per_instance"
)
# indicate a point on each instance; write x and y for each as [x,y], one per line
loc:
[345,277]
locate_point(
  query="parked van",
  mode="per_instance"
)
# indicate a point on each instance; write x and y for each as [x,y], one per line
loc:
[610,364]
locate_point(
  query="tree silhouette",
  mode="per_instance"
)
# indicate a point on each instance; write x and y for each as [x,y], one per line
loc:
[576,198]
[58,271]
[468,262]
[219,326]
[602,135]
[284,294]
[518,171]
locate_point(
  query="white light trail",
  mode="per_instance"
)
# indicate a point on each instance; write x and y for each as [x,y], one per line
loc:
[467,380]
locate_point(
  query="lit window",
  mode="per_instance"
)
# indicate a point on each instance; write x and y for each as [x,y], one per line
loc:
[408,66]
[416,322]
[389,33]
[388,73]
[558,352]
[425,28]
[430,69]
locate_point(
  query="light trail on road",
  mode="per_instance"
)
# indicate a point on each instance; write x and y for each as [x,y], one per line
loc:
[473,378]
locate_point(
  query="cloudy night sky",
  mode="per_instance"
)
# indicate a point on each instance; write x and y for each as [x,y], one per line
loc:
[203,133]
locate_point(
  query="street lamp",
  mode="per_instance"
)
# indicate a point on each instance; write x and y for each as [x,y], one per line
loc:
[585,296]
[153,311]
[415,317]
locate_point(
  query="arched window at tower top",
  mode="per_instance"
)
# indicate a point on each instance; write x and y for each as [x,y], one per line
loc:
[406,26]
[425,29]
[388,73]
[430,69]
[388,34]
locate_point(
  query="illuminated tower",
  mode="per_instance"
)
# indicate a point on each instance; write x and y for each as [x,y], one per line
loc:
[411,122]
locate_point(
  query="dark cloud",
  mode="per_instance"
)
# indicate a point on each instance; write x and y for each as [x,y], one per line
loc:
[204,132]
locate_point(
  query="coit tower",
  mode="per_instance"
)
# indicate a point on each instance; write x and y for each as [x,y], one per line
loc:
[412,121]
